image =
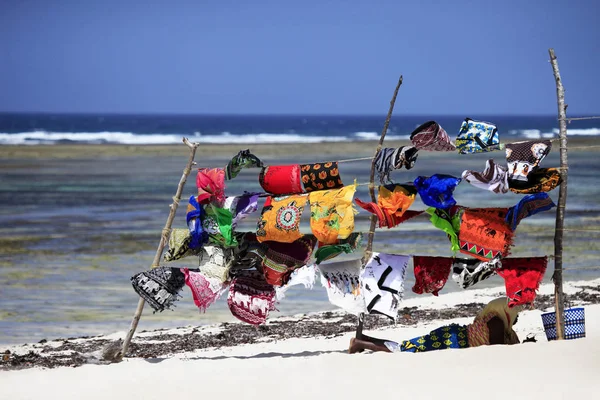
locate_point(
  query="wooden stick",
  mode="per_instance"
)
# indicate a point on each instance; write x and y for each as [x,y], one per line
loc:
[164,239]
[559,303]
[369,247]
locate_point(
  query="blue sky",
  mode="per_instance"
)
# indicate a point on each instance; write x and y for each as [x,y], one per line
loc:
[304,57]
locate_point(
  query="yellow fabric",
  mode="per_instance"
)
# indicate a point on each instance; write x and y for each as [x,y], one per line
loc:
[280,219]
[395,202]
[478,330]
[332,214]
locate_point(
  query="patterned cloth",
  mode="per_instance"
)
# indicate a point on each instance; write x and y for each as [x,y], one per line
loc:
[241,206]
[453,336]
[332,214]
[217,223]
[211,186]
[205,291]
[431,274]
[249,254]
[250,298]
[539,180]
[382,280]
[389,159]
[528,206]
[467,272]
[194,219]
[477,137]
[159,287]
[281,259]
[432,137]
[522,277]
[302,276]
[215,262]
[179,245]
[281,179]
[484,233]
[493,178]
[280,219]
[329,251]
[436,190]
[479,333]
[392,205]
[320,176]
[524,157]
[447,221]
[244,159]
[342,281]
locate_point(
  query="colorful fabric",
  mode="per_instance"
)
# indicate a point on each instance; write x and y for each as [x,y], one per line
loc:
[528,206]
[329,251]
[392,205]
[205,290]
[250,298]
[447,221]
[467,272]
[281,179]
[241,207]
[342,281]
[452,336]
[320,176]
[302,276]
[159,287]
[332,214]
[436,190]
[243,159]
[194,220]
[431,136]
[524,157]
[479,334]
[249,254]
[389,159]
[211,186]
[215,262]
[281,259]
[431,274]
[280,219]
[484,233]
[539,180]
[217,223]
[477,137]
[493,178]
[382,280]
[179,245]
[522,277]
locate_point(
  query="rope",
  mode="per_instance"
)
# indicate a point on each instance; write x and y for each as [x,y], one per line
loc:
[577,118]
[579,230]
[573,268]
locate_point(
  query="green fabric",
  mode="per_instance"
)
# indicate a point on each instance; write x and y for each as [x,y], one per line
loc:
[223,218]
[347,246]
[244,159]
[451,225]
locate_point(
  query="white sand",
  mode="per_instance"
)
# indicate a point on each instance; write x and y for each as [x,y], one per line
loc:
[321,368]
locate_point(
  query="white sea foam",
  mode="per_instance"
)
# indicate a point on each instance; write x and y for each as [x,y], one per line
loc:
[582,132]
[376,135]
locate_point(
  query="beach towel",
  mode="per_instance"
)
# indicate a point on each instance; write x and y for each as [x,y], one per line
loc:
[522,277]
[392,205]
[467,272]
[250,298]
[436,190]
[211,186]
[329,251]
[342,281]
[524,157]
[431,136]
[528,206]
[484,233]
[179,245]
[281,179]
[241,207]
[431,273]
[332,214]
[477,137]
[302,276]
[281,259]
[447,221]
[159,287]
[320,176]
[243,159]
[382,281]
[389,159]
[539,180]
[453,336]
[280,219]
[205,290]
[194,220]
[493,178]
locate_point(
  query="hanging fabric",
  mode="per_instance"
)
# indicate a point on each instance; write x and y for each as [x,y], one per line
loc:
[244,159]
[194,220]
[159,287]
[467,272]
[249,254]
[215,262]
[477,137]
[281,179]
[329,251]
[250,298]
[431,274]
[280,219]
[302,276]
[431,136]
[205,290]
[392,205]
[447,221]
[436,190]
[382,280]
[493,178]
[179,245]
[522,277]
[342,281]
[241,206]
[332,214]
[389,159]
[524,157]
[484,233]
[528,206]
[281,259]
[320,176]
[539,180]
[217,223]
[211,186]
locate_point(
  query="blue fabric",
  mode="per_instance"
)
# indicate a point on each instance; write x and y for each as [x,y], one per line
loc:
[436,190]
[528,206]
[194,222]
[453,336]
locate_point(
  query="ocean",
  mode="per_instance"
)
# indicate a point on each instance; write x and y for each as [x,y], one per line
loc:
[73,230]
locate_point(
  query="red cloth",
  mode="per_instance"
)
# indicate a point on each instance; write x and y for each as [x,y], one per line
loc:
[431,273]
[522,277]
[211,186]
[281,179]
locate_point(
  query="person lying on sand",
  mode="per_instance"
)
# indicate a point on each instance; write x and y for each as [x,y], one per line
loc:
[492,325]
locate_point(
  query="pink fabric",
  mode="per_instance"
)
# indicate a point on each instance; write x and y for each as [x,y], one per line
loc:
[204,292]
[211,186]
[432,137]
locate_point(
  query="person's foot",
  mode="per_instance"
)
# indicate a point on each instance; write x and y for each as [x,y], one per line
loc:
[354,347]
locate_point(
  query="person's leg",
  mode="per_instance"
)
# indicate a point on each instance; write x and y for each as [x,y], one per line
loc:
[359,345]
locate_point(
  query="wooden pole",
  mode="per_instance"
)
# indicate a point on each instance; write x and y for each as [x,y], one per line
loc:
[164,239]
[559,303]
[369,247]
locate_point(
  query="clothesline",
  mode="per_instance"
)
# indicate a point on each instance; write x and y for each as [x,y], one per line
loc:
[578,118]
[573,268]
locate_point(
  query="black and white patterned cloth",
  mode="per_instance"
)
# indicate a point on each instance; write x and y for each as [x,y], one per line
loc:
[160,286]
[466,272]
[389,159]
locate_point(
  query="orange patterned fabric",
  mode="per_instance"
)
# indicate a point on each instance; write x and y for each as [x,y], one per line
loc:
[321,176]
[484,233]
[280,219]
[393,202]
[332,214]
